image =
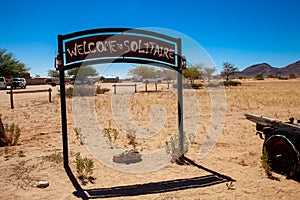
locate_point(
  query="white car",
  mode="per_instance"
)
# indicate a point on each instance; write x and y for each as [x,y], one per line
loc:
[3,83]
[152,80]
[18,82]
[52,81]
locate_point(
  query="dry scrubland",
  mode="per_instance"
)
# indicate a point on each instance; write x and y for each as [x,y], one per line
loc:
[38,155]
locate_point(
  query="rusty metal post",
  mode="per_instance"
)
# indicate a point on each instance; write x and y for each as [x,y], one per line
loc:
[135,90]
[63,104]
[155,86]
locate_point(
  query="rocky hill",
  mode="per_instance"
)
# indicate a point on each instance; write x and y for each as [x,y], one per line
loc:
[265,69]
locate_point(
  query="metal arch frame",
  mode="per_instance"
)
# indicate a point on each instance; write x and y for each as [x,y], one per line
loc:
[61,67]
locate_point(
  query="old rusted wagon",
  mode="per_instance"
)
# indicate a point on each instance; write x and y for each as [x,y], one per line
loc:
[281,142]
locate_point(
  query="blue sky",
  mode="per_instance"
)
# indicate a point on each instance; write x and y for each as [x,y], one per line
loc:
[240,32]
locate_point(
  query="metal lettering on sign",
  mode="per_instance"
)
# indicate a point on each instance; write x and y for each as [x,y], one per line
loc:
[116,46]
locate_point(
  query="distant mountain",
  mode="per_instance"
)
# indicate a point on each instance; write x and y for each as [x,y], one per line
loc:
[265,69]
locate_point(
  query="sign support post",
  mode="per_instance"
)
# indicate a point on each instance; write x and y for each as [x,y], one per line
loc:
[180,99]
[60,65]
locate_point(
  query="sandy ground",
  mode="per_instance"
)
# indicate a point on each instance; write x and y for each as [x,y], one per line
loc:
[231,170]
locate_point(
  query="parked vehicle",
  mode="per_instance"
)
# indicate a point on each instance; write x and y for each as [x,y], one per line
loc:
[3,83]
[281,143]
[110,79]
[82,81]
[152,80]
[72,80]
[18,82]
[52,81]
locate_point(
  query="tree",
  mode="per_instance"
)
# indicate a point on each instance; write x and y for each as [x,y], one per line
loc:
[10,66]
[53,73]
[143,71]
[83,72]
[208,71]
[168,74]
[228,70]
[259,77]
[192,72]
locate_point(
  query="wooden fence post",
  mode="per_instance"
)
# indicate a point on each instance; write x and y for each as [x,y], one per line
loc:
[11,93]
[50,90]
[11,98]
[115,88]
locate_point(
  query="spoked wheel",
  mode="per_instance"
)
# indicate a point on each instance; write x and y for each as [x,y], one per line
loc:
[282,153]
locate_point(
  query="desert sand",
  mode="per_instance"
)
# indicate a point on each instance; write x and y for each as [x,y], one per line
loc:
[231,170]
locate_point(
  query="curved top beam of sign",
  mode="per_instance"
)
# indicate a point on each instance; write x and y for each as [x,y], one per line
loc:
[119,45]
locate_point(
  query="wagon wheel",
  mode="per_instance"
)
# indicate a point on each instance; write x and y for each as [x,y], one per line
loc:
[282,153]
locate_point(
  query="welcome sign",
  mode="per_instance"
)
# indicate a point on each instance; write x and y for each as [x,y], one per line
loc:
[119,45]
[107,46]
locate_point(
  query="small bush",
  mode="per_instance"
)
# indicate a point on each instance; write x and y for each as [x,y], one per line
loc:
[232,83]
[79,135]
[282,78]
[292,76]
[259,77]
[100,90]
[266,165]
[196,85]
[84,167]
[230,185]
[173,146]
[132,140]
[111,133]
[214,84]
[85,90]
[189,86]
[9,135]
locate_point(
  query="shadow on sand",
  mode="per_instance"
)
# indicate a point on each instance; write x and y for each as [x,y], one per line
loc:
[151,188]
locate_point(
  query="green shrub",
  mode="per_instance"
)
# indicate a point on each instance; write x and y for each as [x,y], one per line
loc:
[132,140]
[196,85]
[214,84]
[282,78]
[232,83]
[259,77]
[85,90]
[266,165]
[79,135]
[100,90]
[173,146]
[111,133]
[9,135]
[189,86]
[84,167]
